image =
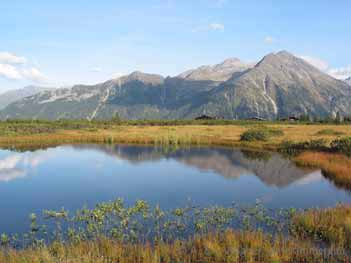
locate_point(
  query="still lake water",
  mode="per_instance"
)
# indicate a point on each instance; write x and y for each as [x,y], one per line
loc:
[73,176]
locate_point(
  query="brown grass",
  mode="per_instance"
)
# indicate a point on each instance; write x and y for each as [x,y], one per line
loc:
[336,167]
[221,135]
[226,247]
[331,225]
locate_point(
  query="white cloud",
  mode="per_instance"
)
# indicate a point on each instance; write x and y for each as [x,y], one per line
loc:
[9,58]
[341,73]
[14,166]
[212,26]
[216,26]
[14,67]
[117,75]
[33,74]
[9,72]
[316,62]
[338,73]
[269,40]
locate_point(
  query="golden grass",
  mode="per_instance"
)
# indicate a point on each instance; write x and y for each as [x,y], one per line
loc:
[331,225]
[221,135]
[226,247]
[336,167]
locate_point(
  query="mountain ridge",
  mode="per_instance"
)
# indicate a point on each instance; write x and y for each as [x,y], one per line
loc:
[279,85]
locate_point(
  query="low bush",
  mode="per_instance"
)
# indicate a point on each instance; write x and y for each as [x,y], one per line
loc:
[327,132]
[293,148]
[260,134]
[342,145]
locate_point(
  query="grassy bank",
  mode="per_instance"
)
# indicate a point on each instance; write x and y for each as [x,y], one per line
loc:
[209,133]
[228,247]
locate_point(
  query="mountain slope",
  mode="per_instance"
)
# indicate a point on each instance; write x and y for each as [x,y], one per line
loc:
[280,85]
[11,96]
[348,80]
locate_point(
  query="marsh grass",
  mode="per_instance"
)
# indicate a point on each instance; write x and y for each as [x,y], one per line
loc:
[229,246]
[331,225]
[113,232]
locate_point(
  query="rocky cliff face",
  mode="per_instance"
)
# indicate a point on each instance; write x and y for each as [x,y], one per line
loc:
[278,86]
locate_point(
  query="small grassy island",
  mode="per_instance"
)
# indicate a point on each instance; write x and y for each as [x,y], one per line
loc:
[114,232]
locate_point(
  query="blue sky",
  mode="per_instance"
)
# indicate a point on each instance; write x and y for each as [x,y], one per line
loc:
[68,42]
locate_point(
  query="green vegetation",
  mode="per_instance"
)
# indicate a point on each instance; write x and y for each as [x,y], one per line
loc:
[342,145]
[294,148]
[260,134]
[327,132]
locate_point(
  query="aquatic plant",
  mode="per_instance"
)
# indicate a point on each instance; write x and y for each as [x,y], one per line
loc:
[114,232]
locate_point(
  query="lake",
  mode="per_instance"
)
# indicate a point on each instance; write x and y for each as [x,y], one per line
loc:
[73,176]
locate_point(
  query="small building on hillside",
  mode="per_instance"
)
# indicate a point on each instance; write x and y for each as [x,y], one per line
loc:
[256,119]
[293,118]
[206,117]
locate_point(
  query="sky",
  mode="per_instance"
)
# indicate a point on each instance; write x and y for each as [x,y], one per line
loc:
[61,43]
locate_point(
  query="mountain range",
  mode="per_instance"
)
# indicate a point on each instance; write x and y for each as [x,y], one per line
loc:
[279,85]
[348,80]
[11,96]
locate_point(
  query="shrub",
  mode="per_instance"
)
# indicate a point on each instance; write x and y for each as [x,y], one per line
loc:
[342,145]
[260,134]
[293,148]
[329,132]
[254,135]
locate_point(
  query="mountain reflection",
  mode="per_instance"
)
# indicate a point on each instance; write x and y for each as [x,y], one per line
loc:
[271,168]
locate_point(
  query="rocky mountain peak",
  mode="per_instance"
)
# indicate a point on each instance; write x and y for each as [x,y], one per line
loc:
[231,62]
[219,72]
[145,78]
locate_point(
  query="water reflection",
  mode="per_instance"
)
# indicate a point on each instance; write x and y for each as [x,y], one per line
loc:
[271,168]
[73,176]
[16,165]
